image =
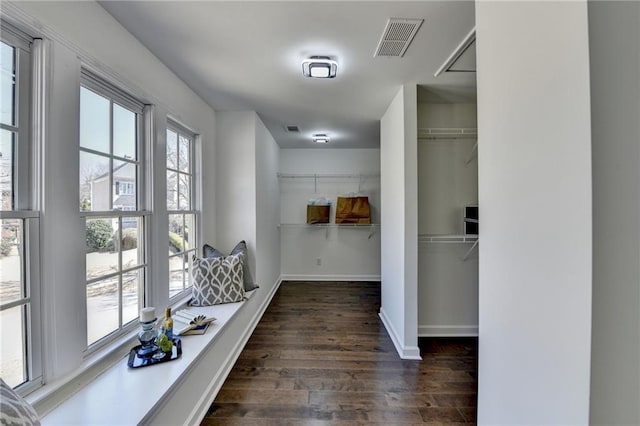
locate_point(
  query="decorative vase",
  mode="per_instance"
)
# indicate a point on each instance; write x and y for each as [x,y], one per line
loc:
[147,339]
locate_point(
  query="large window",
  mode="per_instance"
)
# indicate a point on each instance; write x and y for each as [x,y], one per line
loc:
[181,207]
[111,200]
[19,219]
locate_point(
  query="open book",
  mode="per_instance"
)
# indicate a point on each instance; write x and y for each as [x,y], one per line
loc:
[187,319]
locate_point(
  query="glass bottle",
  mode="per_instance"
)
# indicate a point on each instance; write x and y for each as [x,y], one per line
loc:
[167,324]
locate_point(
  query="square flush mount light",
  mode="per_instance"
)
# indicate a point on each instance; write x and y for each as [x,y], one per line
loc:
[319,67]
[320,138]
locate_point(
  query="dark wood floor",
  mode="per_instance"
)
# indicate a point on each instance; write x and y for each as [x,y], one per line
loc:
[320,356]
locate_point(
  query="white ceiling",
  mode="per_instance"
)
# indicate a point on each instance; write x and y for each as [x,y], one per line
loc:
[240,55]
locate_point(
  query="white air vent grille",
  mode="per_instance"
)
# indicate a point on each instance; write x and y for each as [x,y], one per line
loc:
[292,128]
[397,36]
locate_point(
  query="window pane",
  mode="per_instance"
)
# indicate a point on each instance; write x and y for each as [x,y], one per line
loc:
[6,169]
[7,84]
[131,292]
[176,233]
[183,156]
[189,231]
[94,182]
[124,186]
[11,261]
[12,345]
[172,150]
[102,259]
[184,192]
[102,309]
[94,121]
[124,132]
[131,242]
[176,275]
[172,191]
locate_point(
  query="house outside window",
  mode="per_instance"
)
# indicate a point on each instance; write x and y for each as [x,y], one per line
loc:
[20,343]
[181,207]
[111,200]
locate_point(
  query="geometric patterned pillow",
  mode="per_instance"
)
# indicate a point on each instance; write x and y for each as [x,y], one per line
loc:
[217,280]
[240,248]
[14,410]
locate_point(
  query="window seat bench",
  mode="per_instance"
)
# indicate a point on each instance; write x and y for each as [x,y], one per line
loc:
[126,396]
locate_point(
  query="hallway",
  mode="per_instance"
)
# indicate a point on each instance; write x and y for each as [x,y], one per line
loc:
[320,355]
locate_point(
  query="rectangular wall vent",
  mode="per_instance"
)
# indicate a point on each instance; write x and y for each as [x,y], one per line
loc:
[293,129]
[397,36]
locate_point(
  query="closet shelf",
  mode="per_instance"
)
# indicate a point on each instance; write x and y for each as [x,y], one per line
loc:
[372,227]
[326,175]
[362,177]
[428,133]
[447,238]
[329,225]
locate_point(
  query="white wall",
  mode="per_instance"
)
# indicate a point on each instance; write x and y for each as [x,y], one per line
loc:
[83,34]
[614,45]
[447,289]
[446,115]
[446,183]
[535,203]
[267,207]
[399,210]
[236,181]
[345,253]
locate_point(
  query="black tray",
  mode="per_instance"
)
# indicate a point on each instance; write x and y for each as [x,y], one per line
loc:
[136,361]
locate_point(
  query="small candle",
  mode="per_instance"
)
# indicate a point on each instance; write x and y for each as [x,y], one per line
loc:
[147,314]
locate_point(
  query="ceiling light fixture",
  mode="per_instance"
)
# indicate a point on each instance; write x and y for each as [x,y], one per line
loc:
[320,138]
[319,67]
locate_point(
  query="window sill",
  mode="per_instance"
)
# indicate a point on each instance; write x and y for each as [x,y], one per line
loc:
[132,394]
[46,397]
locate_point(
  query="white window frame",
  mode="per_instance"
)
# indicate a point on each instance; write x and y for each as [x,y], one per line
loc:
[194,190]
[26,192]
[114,95]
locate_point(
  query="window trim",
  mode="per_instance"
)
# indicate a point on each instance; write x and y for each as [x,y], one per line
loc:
[29,99]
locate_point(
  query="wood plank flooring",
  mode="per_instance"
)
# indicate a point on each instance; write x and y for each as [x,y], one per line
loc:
[321,356]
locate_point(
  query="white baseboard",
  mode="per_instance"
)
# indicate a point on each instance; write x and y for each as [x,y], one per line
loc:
[336,277]
[202,406]
[447,331]
[405,352]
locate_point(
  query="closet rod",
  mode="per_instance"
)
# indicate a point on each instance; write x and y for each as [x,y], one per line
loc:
[447,238]
[429,133]
[326,175]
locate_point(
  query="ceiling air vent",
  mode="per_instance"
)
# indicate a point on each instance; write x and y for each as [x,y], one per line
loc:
[397,36]
[293,129]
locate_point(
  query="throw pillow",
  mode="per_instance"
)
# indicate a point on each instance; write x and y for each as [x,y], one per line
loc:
[14,410]
[217,280]
[241,247]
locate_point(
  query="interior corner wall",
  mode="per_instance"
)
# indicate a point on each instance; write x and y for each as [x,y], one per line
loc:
[268,207]
[614,43]
[235,166]
[534,157]
[399,232]
[345,253]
